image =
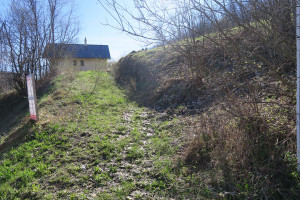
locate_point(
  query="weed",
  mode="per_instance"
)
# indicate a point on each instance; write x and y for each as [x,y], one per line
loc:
[125,189]
[102,178]
[134,153]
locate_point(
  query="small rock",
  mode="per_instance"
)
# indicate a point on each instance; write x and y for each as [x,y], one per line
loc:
[149,134]
[147,163]
[136,171]
[137,193]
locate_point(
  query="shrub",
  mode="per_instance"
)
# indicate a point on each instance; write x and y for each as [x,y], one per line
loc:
[251,145]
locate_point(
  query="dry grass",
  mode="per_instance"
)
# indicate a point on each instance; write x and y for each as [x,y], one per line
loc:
[252,147]
[243,105]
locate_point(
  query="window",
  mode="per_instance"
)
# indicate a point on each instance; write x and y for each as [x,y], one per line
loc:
[81,62]
[74,62]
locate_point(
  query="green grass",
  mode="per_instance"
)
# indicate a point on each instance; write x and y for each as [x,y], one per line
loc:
[92,142]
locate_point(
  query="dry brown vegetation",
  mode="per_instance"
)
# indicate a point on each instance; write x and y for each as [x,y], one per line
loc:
[236,87]
[242,120]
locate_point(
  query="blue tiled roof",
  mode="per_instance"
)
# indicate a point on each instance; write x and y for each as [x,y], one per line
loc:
[77,51]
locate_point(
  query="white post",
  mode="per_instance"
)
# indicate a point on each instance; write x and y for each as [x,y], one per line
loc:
[32,97]
[298,82]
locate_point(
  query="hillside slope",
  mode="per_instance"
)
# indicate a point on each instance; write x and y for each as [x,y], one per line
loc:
[93,143]
[158,78]
[240,110]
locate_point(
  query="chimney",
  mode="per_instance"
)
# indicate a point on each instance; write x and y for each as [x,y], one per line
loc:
[85,41]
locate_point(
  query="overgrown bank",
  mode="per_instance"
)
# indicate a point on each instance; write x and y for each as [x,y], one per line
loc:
[240,112]
[158,78]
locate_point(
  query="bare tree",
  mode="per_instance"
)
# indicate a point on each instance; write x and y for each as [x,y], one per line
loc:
[27,28]
[267,26]
[2,48]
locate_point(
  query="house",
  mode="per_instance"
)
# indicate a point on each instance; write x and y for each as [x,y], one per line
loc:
[82,56]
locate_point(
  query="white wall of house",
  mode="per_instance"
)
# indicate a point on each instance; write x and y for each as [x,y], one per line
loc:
[88,63]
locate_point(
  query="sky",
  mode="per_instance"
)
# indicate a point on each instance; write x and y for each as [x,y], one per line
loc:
[91,15]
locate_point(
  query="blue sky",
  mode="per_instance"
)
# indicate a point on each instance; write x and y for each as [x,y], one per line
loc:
[91,15]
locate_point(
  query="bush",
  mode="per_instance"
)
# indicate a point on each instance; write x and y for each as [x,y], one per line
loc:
[5,82]
[253,145]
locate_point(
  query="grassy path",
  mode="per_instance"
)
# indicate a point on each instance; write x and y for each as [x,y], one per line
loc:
[92,143]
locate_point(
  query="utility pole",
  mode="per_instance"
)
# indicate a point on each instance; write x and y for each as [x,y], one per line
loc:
[298,82]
